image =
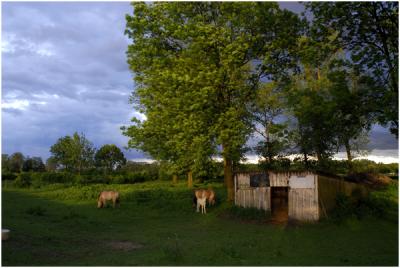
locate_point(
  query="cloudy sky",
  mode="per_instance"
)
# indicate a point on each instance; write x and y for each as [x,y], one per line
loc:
[64,70]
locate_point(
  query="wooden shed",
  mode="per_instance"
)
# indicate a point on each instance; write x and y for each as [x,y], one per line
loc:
[296,194]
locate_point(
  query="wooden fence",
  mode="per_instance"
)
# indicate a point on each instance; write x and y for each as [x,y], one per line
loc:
[328,189]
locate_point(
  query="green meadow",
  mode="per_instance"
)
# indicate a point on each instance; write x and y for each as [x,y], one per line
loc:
[156,225]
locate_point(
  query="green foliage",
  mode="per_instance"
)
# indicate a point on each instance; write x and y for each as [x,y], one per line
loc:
[15,162]
[33,164]
[385,203]
[382,203]
[371,38]
[196,67]
[109,157]
[73,153]
[8,176]
[5,163]
[23,180]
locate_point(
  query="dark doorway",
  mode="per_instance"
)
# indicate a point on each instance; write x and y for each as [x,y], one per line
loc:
[279,204]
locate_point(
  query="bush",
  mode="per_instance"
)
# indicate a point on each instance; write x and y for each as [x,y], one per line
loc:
[56,177]
[23,180]
[384,203]
[381,204]
[8,176]
[344,207]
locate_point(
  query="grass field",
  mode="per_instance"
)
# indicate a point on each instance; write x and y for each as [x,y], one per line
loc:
[156,225]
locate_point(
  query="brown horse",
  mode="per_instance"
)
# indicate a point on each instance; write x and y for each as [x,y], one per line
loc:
[106,196]
[209,195]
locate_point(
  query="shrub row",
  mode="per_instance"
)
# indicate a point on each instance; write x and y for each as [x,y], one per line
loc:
[381,204]
[37,179]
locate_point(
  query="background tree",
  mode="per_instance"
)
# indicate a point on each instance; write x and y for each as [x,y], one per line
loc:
[371,37]
[16,161]
[268,106]
[33,164]
[5,163]
[329,99]
[308,98]
[74,153]
[353,109]
[109,157]
[52,164]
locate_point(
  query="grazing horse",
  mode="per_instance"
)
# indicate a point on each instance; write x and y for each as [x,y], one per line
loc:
[209,195]
[107,195]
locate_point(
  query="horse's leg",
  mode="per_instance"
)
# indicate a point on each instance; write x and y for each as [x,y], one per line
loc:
[198,205]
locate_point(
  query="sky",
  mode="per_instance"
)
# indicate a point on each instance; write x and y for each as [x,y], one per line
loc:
[64,70]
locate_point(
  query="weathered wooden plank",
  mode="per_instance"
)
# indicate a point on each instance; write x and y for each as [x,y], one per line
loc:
[243,180]
[303,203]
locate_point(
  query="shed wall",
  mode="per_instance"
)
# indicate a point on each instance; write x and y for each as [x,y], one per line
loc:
[303,203]
[254,198]
[278,179]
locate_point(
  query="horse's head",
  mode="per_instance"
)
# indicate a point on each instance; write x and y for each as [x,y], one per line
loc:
[99,204]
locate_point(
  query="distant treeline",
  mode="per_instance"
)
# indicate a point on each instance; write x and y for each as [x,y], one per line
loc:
[24,171]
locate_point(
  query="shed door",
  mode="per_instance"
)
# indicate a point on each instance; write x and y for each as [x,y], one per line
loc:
[279,203]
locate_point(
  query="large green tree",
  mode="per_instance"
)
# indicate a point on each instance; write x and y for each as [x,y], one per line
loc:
[329,99]
[353,112]
[73,153]
[369,32]
[109,157]
[196,69]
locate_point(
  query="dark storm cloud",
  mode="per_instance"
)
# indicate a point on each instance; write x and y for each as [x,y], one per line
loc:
[64,70]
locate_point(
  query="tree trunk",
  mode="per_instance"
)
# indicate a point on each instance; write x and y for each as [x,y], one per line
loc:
[305,159]
[175,179]
[267,127]
[319,157]
[348,151]
[228,178]
[190,179]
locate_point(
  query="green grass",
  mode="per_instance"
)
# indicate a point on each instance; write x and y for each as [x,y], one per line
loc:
[61,226]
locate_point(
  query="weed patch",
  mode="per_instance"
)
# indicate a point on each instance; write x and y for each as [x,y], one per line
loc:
[36,211]
[246,214]
[173,249]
